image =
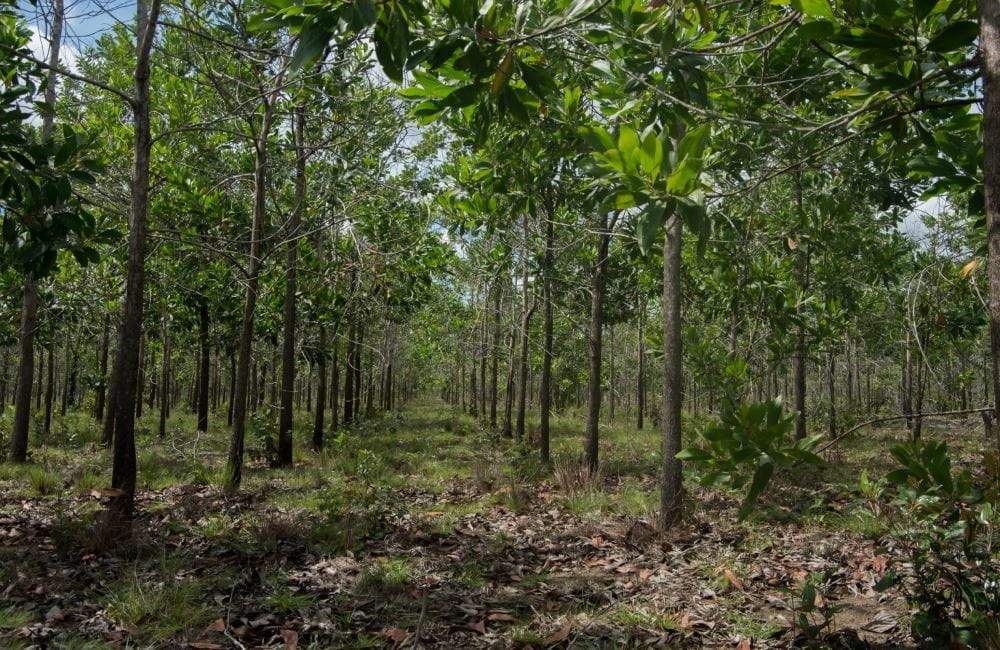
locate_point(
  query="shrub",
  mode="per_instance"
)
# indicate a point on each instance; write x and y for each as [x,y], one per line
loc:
[947,526]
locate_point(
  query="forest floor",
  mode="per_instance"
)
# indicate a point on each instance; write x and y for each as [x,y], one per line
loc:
[420,530]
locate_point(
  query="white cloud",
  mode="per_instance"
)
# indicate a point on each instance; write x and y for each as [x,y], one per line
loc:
[39,45]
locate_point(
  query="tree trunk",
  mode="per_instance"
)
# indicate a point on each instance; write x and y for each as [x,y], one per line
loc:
[291,282]
[545,395]
[102,373]
[594,343]
[127,352]
[317,438]
[235,464]
[50,389]
[640,392]
[349,375]
[25,371]
[495,360]
[672,488]
[526,313]
[164,378]
[831,379]
[907,398]
[989,47]
[203,376]
[232,390]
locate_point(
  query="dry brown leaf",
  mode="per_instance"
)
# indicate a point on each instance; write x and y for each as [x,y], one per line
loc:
[500,616]
[744,645]
[645,573]
[561,635]
[218,625]
[395,634]
[291,639]
[204,645]
[733,580]
[627,568]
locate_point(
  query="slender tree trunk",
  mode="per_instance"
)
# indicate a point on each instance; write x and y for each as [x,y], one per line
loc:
[989,47]
[140,380]
[672,488]
[102,372]
[831,379]
[352,334]
[50,389]
[203,377]
[527,311]
[164,377]
[545,396]
[335,384]
[317,440]
[26,371]
[495,360]
[508,401]
[594,341]
[908,381]
[39,385]
[640,392]
[127,352]
[235,464]
[802,280]
[232,390]
[291,282]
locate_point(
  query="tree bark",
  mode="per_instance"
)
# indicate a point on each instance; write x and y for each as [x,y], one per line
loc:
[25,370]
[235,464]
[495,359]
[594,342]
[127,352]
[545,395]
[989,47]
[527,311]
[50,388]
[102,372]
[291,287]
[164,377]
[672,488]
[203,374]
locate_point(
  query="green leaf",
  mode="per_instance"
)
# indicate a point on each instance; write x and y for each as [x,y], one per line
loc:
[819,8]
[954,36]
[628,141]
[815,30]
[760,480]
[694,455]
[648,225]
[313,40]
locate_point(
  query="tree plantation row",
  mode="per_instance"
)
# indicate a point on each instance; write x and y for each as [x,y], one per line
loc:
[759,229]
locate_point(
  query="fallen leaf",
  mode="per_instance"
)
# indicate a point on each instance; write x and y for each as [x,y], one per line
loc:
[561,635]
[204,645]
[291,638]
[218,625]
[500,616]
[396,634]
[733,580]
[645,573]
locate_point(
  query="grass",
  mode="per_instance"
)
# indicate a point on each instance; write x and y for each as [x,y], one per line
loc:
[12,618]
[161,610]
[388,576]
[641,617]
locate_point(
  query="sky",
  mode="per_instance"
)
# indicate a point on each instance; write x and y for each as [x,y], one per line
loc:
[85,21]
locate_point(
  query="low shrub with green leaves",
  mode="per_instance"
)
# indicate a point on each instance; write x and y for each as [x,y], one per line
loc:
[947,526]
[745,447]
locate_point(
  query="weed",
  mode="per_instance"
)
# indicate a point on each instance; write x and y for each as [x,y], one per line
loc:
[12,618]
[387,577]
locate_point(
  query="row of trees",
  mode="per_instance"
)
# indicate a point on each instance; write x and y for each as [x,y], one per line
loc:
[280,190]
